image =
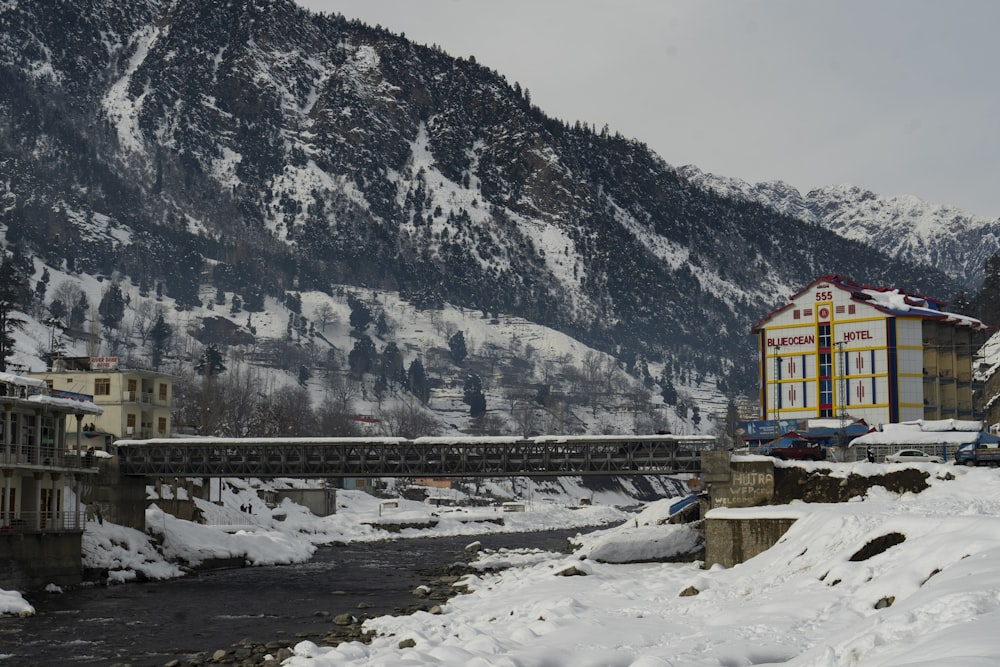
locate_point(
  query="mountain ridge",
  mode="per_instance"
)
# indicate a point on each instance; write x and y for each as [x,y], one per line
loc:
[905,226]
[261,150]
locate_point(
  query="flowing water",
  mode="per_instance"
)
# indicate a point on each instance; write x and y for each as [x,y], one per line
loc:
[153,623]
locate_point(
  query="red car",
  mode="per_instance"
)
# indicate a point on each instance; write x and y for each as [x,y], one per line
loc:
[799,450]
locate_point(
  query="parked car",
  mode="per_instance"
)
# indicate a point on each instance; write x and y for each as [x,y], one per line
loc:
[801,450]
[912,456]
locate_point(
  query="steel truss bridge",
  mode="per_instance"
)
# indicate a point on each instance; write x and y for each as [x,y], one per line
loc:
[420,457]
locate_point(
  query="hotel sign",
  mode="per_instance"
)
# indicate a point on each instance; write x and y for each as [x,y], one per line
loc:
[103,363]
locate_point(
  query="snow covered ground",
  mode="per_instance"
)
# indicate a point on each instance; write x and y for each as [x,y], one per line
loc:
[929,595]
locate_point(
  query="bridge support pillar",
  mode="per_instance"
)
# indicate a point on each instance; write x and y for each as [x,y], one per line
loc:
[731,540]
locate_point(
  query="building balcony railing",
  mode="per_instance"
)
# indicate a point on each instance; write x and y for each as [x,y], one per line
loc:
[143,397]
[23,523]
[24,456]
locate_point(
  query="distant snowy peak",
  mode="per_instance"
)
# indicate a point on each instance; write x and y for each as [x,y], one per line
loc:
[903,226]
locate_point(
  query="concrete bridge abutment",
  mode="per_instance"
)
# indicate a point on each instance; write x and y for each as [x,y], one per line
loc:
[731,484]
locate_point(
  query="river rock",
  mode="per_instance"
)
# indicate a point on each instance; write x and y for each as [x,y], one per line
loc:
[343,619]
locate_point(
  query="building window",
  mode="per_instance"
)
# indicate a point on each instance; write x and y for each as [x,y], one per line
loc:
[102,386]
[826,393]
[129,424]
[161,425]
[796,314]
[825,365]
[824,336]
[163,391]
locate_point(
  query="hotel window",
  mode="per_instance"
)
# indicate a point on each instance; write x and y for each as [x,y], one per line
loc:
[825,365]
[161,425]
[102,386]
[163,391]
[129,424]
[826,392]
[824,336]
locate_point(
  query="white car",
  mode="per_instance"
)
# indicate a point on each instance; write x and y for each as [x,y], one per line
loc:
[912,456]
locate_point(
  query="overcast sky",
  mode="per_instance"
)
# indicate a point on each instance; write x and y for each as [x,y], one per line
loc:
[900,96]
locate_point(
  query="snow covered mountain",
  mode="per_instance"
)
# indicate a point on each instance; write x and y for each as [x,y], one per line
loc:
[906,227]
[251,155]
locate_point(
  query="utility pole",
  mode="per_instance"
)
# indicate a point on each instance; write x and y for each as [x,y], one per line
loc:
[842,399]
[777,391]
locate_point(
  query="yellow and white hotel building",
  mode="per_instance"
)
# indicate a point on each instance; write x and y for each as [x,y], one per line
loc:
[839,349]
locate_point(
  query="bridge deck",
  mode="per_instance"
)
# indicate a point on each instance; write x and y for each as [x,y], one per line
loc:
[421,457]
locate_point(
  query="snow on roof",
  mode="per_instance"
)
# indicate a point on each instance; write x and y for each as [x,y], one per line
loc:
[888,300]
[10,378]
[896,301]
[921,432]
[72,405]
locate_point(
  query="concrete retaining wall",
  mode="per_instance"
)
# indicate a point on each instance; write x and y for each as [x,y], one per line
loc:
[747,483]
[321,502]
[32,561]
[732,541]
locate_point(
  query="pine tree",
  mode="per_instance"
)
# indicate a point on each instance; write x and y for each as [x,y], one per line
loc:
[987,302]
[392,365]
[78,313]
[361,315]
[416,380]
[211,363]
[361,358]
[457,345]
[11,285]
[472,394]
[159,338]
[112,307]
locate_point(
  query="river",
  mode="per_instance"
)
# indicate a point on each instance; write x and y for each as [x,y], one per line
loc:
[186,619]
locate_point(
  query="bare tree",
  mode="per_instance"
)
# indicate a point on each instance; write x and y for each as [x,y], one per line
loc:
[342,389]
[407,419]
[290,413]
[68,294]
[491,424]
[94,335]
[143,316]
[325,315]
[525,418]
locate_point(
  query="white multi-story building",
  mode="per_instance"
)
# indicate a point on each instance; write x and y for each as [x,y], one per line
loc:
[838,349]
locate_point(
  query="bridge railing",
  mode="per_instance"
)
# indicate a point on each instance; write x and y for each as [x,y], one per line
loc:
[398,457]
